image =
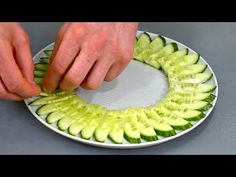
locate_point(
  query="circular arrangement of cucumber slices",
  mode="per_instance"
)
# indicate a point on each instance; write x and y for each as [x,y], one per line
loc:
[188,100]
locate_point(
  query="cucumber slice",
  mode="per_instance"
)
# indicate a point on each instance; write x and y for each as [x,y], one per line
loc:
[117,133]
[38,73]
[198,105]
[46,109]
[48,52]
[191,87]
[64,112]
[57,115]
[189,115]
[44,60]
[174,56]
[78,125]
[165,51]
[146,130]
[41,67]
[187,69]
[179,95]
[65,122]
[186,60]
[51,99]
[131,130]
[158,43]
[192,78]
[175,121]
[38,80]
[186,111]
[102,130]
[88,130]
[161,127]
[142,43]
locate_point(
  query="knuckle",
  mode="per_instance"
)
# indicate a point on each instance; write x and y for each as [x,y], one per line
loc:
[75,31]
[22,40]
[93,85]
[72,80]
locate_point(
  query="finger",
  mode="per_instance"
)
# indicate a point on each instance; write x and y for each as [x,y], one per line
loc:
[12,76]
[80,68]
[66,53]
[4,94]
[23,57]
[58,40]
[115,70]
[97,74]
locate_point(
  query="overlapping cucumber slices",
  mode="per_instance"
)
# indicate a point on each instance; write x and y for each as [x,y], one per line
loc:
[187,100]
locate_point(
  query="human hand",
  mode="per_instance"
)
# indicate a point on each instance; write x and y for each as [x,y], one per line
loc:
[86,54]
[16,65]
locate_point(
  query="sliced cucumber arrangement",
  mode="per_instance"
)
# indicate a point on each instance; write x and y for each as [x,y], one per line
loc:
[188,99]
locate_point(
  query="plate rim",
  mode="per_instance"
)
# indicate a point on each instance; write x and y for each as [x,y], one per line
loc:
[130,146]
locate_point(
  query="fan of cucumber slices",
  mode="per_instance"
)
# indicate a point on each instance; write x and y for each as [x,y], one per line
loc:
[189,100]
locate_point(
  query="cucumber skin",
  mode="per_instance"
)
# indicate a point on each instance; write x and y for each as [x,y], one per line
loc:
[132,140]
[116,142]
[175,46]
[149,138]
[182,127]
[163,39]
[148,36]
[205,108]
[196,118]
[165,133]
[210,98]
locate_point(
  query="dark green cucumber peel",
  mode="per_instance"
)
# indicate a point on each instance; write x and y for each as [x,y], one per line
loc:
[196,118]
[132,140]
[175,46]
[149,138]
[210,98]
[44,60]
[165,133]
[48,52]
[163,39]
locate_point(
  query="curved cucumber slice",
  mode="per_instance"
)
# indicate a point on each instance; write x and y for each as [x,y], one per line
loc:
[48,52]
[142,43]
[131,129]
[102,130]
[181,95]
[51,99]
[88,130]
[187,69]
[41,66]
[191,87]
[38,80]
[43,110]
[146,130]
[193,78]
[78,125]
[175,121]
[117,133]
[161,127]
[157,44]
[38,73]
[45,60]
[189,115]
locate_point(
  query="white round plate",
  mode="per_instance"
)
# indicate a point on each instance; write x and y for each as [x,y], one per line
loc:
[138,85]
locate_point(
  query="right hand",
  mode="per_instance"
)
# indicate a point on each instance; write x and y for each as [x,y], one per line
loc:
[16,64]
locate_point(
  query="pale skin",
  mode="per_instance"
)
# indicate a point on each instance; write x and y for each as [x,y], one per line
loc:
[85,54]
